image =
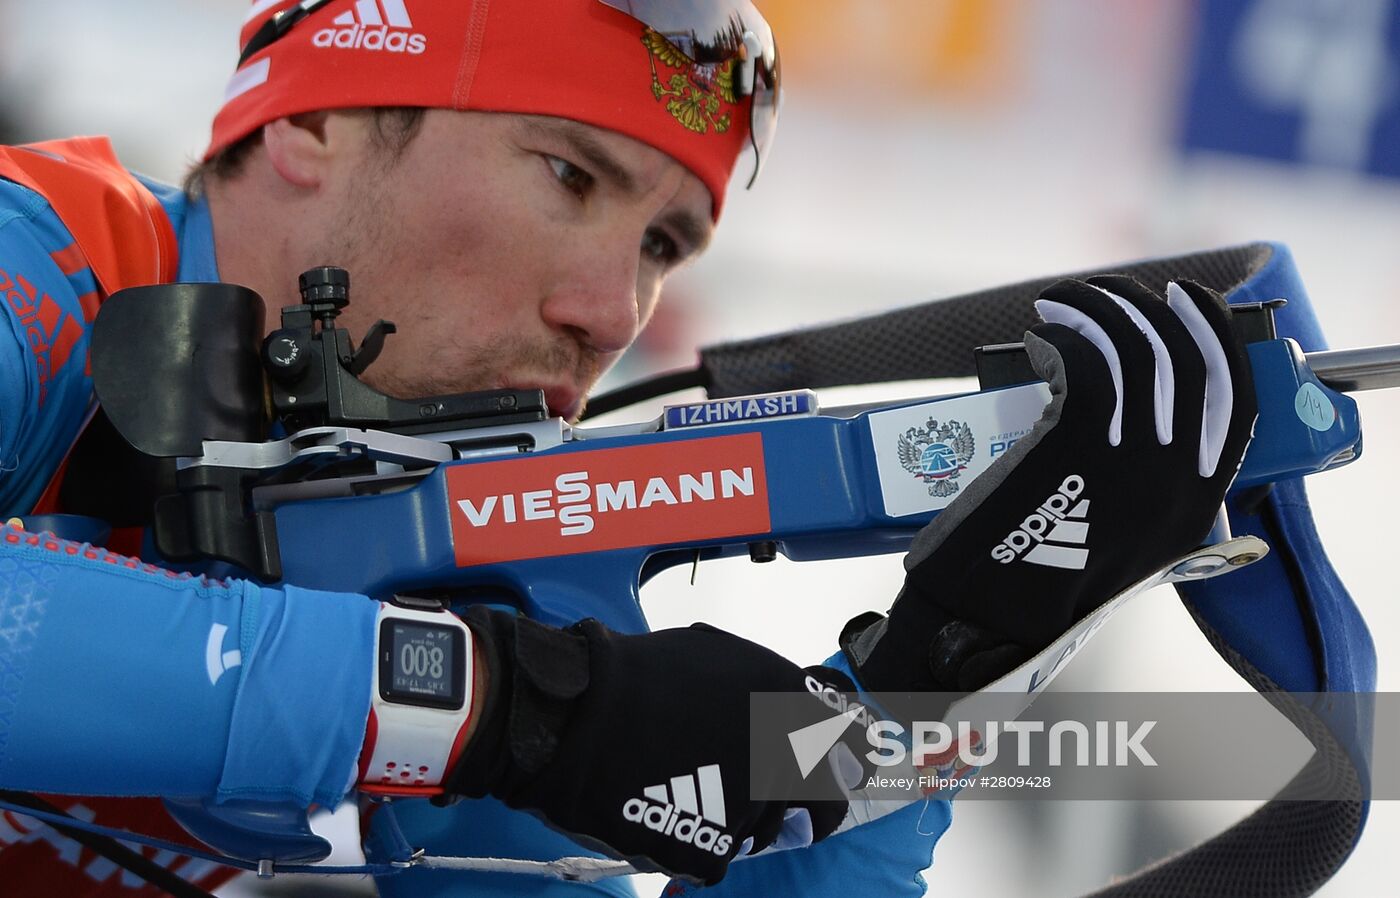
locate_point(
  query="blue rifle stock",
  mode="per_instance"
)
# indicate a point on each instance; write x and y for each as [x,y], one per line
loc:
[823,484]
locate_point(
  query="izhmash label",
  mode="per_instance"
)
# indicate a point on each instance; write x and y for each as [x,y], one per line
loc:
[740,408]
[605,499]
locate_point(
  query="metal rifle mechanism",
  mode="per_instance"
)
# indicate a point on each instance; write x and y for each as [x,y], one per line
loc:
[222,396]
[289,467]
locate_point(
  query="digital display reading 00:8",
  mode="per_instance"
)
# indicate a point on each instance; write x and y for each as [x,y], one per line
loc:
[423,664]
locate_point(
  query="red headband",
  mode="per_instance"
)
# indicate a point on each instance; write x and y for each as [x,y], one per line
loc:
[575,59]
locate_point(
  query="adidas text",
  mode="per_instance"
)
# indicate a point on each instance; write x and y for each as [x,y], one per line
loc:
[359,38]
[1041,534]
[834,699]
[684,808]
[665,819]
[384,26]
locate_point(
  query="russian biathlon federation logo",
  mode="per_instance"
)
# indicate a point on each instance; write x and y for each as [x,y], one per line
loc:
[937,454]
[365,27]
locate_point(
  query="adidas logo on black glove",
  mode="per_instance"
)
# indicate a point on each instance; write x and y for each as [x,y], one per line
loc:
[1046,532]
[684,820]
[549,742]
[1151,407]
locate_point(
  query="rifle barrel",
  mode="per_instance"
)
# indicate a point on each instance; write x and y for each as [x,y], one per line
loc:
[1351,370]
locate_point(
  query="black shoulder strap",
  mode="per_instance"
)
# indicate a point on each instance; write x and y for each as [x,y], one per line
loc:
[933,339]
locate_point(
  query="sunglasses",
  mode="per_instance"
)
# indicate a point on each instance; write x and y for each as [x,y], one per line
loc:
[710,32]
[707,32]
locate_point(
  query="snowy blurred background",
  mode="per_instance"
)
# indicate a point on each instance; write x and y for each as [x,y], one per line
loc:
[927,148]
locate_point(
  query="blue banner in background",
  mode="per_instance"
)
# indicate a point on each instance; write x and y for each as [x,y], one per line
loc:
[1313,82]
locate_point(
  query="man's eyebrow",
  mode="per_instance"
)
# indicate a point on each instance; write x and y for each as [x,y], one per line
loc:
[586,146]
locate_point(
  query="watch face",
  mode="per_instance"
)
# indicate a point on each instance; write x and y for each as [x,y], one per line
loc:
[422,664]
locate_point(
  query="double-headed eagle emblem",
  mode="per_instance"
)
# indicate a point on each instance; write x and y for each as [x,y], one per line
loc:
[694,93]
[937,454]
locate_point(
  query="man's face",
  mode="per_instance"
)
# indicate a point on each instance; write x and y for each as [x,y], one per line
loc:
[510,250]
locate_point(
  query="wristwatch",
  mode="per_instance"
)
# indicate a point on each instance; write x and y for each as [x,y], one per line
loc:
[420,710]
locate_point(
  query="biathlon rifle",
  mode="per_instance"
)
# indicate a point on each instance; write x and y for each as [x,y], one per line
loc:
[276,458]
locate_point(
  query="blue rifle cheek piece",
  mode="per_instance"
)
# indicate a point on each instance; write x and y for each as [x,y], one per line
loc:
[1289,616]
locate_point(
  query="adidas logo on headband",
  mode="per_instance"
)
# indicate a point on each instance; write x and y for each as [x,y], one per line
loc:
[365,28]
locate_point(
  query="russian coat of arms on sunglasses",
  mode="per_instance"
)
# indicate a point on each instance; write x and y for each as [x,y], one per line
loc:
[700,97]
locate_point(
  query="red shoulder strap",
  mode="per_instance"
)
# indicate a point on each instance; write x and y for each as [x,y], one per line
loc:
[120,227]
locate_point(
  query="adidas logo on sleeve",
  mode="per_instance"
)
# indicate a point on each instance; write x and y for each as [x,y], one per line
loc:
[1054,534]
[367,27]
[686,810]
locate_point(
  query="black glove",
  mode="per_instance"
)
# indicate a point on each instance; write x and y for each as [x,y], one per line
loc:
[638,744]
[1152,406]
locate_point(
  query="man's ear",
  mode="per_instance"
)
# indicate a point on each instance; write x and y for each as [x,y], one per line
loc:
[298,148]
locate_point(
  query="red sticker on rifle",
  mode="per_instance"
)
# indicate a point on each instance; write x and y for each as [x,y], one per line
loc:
[605,499]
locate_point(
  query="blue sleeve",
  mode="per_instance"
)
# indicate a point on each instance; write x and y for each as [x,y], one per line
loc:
[885,857]
[118,678]
[50,297]
[121,678]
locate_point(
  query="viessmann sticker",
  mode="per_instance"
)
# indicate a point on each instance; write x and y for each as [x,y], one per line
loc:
[604,499]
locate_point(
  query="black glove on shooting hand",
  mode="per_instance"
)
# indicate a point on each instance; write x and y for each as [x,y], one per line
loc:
[637,744]
[1152,406]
